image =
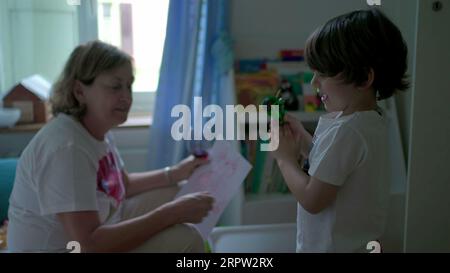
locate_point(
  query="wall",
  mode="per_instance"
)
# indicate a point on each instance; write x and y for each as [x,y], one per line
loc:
[133,147]
[37,37]
[261,28]
[404,14]
[427,219]
[131,142]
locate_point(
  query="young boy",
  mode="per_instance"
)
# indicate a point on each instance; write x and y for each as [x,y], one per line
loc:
[357,59]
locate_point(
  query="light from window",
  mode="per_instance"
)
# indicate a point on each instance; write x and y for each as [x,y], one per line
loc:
[138,27]
[106,10]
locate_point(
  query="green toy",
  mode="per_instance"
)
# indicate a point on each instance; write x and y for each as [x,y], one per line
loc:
[275,100]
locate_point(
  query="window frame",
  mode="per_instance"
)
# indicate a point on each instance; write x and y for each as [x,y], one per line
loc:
[143,101]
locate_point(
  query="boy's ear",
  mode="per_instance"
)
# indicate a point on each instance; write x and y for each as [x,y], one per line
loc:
[370,78]
[78,92]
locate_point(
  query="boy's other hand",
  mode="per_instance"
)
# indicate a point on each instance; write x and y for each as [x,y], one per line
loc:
[301,136]
[295,124]
[289,145]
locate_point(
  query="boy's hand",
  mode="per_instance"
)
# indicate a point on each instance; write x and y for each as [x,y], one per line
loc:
[186,167]
[295,124]
[289,145]
[302,137]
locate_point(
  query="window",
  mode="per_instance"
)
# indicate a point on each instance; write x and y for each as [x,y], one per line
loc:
[36,37]
[138,27]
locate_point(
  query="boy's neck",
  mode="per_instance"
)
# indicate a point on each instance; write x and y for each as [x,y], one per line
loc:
[360,104]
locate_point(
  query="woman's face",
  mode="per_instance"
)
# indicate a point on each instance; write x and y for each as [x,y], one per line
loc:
[108,99]
[334,93]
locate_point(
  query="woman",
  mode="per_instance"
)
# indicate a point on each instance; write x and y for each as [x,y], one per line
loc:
[71,184]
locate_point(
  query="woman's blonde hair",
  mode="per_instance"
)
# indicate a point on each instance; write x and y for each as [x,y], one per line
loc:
[85,63]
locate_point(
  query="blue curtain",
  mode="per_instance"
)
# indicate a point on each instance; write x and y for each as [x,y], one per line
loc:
[197,61]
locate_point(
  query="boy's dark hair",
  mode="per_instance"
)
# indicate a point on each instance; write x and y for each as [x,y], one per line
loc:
[354,43]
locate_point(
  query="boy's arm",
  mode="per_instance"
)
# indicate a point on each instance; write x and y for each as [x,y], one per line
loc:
[314,195]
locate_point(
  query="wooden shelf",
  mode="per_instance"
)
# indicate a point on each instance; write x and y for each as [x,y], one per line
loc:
[132,122]
[20,128]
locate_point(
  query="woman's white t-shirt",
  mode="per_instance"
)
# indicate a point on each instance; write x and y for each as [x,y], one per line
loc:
[63,169]
[349,152]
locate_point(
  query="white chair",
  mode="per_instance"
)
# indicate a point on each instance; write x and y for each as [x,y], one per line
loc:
[269,238]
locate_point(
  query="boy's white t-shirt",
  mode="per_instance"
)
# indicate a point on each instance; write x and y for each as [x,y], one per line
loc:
[349,152]
[63,169]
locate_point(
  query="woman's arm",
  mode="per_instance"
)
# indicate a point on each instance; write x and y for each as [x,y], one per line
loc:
[136,183]
[85,226]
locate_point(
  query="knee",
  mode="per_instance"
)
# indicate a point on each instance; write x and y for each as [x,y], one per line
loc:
[181,238]
[193,242]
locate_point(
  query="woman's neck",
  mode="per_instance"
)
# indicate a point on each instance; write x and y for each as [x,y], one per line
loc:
[93,127]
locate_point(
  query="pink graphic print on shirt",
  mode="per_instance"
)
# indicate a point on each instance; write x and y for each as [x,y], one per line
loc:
[109,177]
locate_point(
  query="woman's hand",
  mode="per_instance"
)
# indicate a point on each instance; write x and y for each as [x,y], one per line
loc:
[186,167]
[192,208]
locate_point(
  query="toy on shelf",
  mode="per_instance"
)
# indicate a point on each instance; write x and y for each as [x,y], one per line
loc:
[288,95]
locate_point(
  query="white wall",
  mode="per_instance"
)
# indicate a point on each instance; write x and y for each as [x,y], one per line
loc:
[131,142]
[133,147]
[428,202]
[261,28]
[404,14]
[36,37]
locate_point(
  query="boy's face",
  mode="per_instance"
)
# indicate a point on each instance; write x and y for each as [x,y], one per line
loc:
[336,95]
[109,98]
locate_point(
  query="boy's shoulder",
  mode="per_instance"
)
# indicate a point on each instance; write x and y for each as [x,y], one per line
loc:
[364,124]
[357,122]
[367,119]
